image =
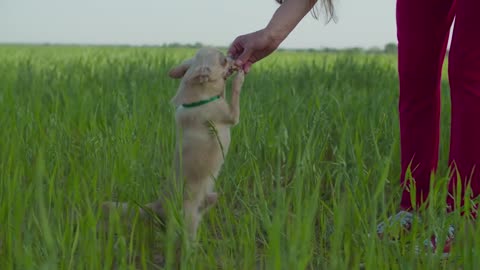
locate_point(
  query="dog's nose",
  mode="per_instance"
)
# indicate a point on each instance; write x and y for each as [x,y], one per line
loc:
[205,71]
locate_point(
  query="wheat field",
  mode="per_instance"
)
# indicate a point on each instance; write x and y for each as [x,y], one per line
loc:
[313,165]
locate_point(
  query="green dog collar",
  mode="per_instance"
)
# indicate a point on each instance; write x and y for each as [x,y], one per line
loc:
[200,103]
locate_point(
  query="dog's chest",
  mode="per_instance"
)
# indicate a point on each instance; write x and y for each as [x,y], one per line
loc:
[204,128]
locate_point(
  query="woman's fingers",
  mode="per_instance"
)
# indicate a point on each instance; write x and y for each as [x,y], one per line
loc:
[236,48]
[246,68]
[244,57]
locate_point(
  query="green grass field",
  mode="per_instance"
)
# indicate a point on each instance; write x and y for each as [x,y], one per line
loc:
[313,165]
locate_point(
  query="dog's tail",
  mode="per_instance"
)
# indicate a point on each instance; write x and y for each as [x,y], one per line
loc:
[153,212]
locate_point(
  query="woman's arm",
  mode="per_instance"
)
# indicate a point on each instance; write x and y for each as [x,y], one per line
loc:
[287,16]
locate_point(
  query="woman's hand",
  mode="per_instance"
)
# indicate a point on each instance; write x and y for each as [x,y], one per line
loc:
[250,48]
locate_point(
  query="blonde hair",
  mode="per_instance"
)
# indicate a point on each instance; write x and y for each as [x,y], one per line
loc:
[327,6]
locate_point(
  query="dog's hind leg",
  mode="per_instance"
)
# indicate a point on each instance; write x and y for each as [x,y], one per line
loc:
[197,196]
[192,216]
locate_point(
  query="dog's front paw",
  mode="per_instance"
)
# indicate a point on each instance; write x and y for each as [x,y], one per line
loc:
[238,80]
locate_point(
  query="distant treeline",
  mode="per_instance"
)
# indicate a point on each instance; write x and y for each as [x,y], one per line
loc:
[390,48]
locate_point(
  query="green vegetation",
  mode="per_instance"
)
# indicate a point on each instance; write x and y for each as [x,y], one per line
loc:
[313,165]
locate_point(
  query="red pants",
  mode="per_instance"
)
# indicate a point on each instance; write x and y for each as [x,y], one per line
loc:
[423,28]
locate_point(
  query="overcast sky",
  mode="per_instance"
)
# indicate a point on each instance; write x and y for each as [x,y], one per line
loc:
[213,22]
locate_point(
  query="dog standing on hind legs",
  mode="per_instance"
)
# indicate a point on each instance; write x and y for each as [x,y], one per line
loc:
[203,120]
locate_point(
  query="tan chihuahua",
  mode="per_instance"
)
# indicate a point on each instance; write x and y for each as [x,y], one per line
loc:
[203,119]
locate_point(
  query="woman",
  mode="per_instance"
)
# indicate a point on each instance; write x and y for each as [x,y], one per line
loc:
[423,33]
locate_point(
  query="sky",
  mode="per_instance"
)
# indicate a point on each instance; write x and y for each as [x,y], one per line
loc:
[360,23]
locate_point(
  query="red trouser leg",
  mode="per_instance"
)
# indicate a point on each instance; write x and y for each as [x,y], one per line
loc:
[422,31]
[464,76]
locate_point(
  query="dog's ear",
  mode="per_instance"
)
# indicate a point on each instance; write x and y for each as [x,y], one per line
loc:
[178,71]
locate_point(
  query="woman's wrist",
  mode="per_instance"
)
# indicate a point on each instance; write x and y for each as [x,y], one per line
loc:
[275,36]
